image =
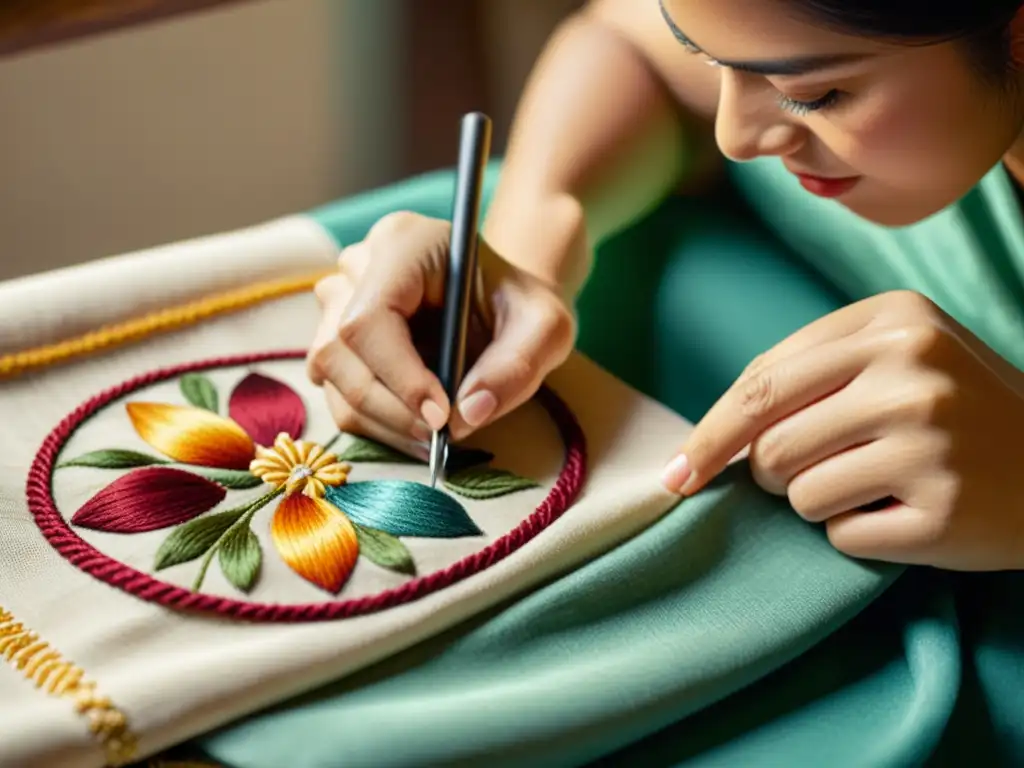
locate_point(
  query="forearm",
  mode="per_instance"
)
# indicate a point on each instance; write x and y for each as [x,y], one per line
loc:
[597,141]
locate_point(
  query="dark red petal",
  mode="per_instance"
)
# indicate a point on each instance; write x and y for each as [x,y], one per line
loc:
[265,408]
[148,499]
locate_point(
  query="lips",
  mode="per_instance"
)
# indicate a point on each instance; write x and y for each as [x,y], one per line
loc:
[825,186]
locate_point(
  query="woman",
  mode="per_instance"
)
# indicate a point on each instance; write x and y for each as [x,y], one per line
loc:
[876,139]
[888,420]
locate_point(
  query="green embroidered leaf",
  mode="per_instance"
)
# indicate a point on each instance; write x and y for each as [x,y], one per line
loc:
[240,557]
[362,449]
[194,538]
[234,479]
[486,483]
[199,391]
[385,550]
[464,458]
[113,458]
[403,508]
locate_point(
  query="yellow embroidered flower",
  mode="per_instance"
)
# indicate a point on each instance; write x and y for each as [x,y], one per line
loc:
[299,465]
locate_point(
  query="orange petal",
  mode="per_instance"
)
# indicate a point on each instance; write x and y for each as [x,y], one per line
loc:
[315,540]
[192,435]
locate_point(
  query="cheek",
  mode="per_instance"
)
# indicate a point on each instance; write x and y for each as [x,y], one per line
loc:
[918,137]
[897,133]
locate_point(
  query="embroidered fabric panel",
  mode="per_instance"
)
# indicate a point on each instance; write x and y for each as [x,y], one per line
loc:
[223,486]
[92,594]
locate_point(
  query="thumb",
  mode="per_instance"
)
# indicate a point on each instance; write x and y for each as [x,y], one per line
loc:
[533,336]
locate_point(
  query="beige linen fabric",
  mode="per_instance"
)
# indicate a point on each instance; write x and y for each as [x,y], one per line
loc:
[178,675]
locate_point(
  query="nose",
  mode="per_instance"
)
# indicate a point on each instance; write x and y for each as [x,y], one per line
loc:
[749,124]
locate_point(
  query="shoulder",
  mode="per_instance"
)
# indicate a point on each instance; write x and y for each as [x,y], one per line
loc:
[694,85]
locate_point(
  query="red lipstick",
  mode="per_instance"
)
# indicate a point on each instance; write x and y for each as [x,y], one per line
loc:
[825,187]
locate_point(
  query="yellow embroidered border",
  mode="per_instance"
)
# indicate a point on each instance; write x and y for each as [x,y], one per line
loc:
[153,323]
[44,666]
[23,648]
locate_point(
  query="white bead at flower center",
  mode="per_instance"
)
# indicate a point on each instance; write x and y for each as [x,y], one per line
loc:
[300,472]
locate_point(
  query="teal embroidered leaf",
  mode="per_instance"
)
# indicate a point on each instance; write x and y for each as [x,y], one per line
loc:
[234,479]
[385,550]
[113,458]
[194,538]
[362,449]
[403,508]
[486,483]
[240,557]
[464,458]
[199,391]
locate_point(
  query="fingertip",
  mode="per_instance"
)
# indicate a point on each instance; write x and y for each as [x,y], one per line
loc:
[678,475]
[434,414]
[476,408]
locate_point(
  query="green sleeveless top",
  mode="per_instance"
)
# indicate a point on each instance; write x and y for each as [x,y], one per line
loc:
[968,258]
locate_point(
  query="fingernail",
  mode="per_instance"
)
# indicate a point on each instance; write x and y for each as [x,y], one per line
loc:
[433,414]
[421,431]
[478,407]
[676,473]
[421,451]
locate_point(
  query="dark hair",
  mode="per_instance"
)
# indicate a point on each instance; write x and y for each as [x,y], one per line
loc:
[982,25]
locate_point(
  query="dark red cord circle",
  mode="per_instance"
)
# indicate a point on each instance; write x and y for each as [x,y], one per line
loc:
[87,558]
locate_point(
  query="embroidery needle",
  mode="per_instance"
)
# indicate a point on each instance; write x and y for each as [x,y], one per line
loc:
[474,151]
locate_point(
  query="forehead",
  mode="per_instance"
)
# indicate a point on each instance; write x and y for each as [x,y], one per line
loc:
[738,29]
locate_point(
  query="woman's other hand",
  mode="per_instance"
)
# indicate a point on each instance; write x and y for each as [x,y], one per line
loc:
[379,321]
[890,423]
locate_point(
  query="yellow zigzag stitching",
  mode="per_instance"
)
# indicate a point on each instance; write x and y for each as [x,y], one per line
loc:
[154,323]
[44,666]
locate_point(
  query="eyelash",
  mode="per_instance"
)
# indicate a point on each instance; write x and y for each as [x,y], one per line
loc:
[793,106]
[806,107]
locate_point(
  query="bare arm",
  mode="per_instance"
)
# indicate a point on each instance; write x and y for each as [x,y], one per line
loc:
[600,137]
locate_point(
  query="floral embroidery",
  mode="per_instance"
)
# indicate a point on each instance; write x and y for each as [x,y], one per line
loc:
[322,522]
[304,467]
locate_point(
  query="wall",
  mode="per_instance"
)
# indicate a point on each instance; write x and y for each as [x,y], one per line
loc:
[195,125]
[228,117]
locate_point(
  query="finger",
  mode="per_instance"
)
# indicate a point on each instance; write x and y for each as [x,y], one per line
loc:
[842,323]
[400,281]
[366,395]
[761,398]
[530,341]
[333,294]
[838,422]
[381,339]
[352,422]
[354,260]
[854,478]
[898,533]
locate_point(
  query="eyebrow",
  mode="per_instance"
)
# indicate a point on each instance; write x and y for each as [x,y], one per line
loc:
[800,65]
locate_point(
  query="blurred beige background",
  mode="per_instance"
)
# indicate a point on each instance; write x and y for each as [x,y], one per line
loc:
[225,118]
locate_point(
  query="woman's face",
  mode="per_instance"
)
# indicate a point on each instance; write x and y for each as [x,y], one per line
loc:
[894,133]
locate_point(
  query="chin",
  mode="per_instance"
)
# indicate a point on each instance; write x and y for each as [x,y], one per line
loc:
[891,212]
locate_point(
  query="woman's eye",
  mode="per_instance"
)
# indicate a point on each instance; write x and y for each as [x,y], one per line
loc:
[805,107]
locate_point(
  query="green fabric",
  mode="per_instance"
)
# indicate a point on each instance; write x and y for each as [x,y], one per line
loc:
[727,634]
[969,258]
